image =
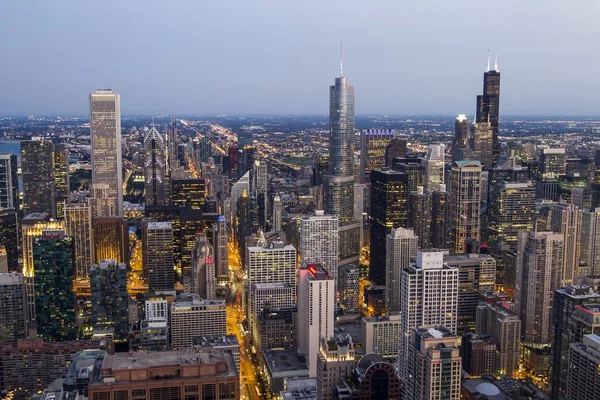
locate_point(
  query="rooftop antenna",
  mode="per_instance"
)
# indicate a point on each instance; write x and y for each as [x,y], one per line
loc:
[496,63]
[488,65]
[341,59]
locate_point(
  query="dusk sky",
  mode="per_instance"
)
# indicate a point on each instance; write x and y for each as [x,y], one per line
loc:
[279,57]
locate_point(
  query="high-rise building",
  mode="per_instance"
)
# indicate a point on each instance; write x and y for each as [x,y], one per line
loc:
[479,354]
[155,168]
[488,106]
[504,326]
[277,211]
[576,312]
[335,362]
[567,220]
[62,182]
[220,241]
[419,216]
[476,276]
[553,163]
[319,242]
[157,253]
[590,241]
[373,143]
[465,203]
[389,210]
[108,282]
[414,167]
[260,186]
[101,202]
[54,298]
[440,219]
[13,308]
[188,193]
[348,284]
[338,184]
[539,266]
[105,132]
[434,166]
[203,277]
[584,363]
[172,146]
[434,364]
[192,318]
[78,225]
[110,238]
[482,144]
[396,148]
[38,176]
[429,296]
[401,248]
[9,239]
[460,143]
[381,335]
[9,182]
[316,304]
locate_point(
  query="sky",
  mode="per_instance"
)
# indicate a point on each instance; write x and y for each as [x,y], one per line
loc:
[204,57]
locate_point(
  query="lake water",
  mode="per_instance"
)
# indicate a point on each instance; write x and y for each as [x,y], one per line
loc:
[10,147]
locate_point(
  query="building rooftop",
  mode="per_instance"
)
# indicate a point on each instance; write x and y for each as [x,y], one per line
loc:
[317,271]
[216,340]
[437,332]
[579,291]
[195,300]
[160,225]
[273,285]
[284,360]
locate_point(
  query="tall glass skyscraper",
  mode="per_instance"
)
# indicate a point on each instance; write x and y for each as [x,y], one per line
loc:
[488,105]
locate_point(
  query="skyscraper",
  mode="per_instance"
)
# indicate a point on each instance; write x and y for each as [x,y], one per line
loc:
[553,163]
[155,168]
[38,176]
[105,132]
[460,143]
[9,182]
[488,106]
[188,193]
[316,303]
[339,182]
[54,298]
[584,362]
[440,219]
[203,278]
[9,239]
[277,210]
[60,172]
[110,238]
[482,144]
[567,220]
[434,166]
[13,308]
[108,281]
[78,225]
[401,247]
[157,242]
[220,241]
[319,242]
[465,203]
[590,241]
[373,143]
[389,210]
[348,284]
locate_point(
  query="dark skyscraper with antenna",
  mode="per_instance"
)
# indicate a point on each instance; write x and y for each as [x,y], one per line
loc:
[488,105]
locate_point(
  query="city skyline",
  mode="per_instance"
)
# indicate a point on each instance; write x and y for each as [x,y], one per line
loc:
[403,60]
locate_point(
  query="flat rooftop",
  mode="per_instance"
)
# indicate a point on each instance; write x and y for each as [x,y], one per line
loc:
[284,360]
[434,333]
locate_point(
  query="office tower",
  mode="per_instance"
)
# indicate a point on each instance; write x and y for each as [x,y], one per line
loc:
[476,276]
[9,182]
[504,326]
[584,363]
[192,317]
[465,203]
[237,190]
[396,148]
[553,163]
[429,296]
[348,284]
[38,176]
[590,241]
[539,266]
[277,329]
[155,168]
[108,282]
[105,132]
[434,364]
[434,166]
[373,143]
[260,185]
[335,363]
[401,248]
[110,237]
[359,201]
[419,216]
[243,223]
[157,244]
[338,184]
[460,143]
[567,220]
[172,146]
[188,193]
[389,210]
[13,308]
[277,211]
[414,167]
[478,353]
[511,209]
[381,335]
[78,225]
[482,144]
[220,241]
[488,105]
[102,204]
[8,238]
[204,373]
[60,171]
[54,298]
[264,298]
[319,242]
[3,260]
[203,279]
[576,312]
[596,182]
[440,219]
[316,304]
[232,155]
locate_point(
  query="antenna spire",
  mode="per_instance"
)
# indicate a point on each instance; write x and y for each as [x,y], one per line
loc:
[496,63]
[488,64]
[341,59]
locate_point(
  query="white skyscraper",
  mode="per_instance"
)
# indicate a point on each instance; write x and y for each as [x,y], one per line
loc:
[429,296]
[319,242]
[590,241]
[277,209]
[567,220]
[401,247]
[434,167]
[316,305]
[105,132]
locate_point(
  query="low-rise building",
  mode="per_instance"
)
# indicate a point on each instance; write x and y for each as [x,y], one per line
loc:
[280,365]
